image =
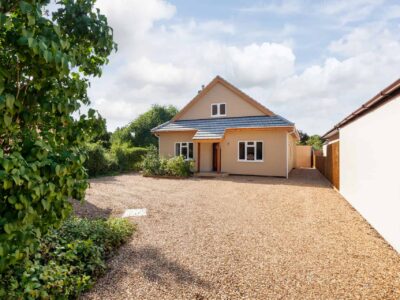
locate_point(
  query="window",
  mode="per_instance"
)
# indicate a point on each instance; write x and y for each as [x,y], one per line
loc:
[251,151]
[218,109]
[184,149]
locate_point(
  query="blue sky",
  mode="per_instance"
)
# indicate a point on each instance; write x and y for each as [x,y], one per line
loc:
[312,62]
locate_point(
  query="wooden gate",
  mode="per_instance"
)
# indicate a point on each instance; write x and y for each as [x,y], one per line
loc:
[329,165]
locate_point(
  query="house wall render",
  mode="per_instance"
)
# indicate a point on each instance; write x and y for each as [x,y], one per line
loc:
[370,166]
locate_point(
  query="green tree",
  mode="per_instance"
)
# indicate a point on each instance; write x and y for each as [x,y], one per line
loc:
[100,134]
[303,138]
[44,69]
[315,141]
[138,133]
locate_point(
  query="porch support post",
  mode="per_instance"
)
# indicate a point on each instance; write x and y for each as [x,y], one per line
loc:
[218,158]
[198,156]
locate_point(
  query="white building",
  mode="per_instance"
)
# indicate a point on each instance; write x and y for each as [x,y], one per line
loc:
[369,161]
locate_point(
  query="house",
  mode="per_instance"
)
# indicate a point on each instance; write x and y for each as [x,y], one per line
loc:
[224,130]
[369,161]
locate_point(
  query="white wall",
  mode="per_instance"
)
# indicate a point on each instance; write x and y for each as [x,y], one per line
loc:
[370,168]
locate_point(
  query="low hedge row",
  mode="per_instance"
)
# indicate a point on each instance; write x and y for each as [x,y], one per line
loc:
[121,158]
[68,262]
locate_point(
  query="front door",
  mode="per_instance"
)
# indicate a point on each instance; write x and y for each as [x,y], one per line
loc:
[216,157]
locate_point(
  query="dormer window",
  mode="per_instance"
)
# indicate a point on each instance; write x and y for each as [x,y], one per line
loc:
[218,109]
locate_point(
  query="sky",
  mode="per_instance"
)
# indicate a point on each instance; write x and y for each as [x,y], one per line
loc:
[313,62]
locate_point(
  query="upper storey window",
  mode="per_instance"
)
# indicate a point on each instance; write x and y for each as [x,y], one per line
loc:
[218,109]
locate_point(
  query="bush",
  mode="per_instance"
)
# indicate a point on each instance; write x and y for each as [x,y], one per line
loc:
[99,161]
[128,158]
[153,165]
[68,261]
[121,158]
[178,166]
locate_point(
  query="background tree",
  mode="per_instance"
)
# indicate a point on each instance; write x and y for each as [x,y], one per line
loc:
[138,133]
[44,69]
[315,140]
[100,133]
[303,137]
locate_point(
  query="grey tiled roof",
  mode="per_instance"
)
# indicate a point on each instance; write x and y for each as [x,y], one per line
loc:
[215,128]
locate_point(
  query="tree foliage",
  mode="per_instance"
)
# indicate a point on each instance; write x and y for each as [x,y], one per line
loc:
[315,140]
[100,134]
[44,68]
[303,137]
[138,133]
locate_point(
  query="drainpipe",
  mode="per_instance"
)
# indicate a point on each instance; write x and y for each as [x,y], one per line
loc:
[287,152]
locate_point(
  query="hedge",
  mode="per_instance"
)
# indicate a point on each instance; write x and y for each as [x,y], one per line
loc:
[68,261]
[128,158]
[121,158]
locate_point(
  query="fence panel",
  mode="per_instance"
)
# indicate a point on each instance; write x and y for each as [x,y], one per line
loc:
[303,156]
[329,165]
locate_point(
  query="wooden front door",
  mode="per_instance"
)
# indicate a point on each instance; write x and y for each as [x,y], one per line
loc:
[216,157]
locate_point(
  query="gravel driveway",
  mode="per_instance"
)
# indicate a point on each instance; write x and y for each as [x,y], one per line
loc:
[242,238]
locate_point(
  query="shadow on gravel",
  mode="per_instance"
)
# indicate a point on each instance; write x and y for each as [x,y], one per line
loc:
[110,179]
[155,267]
[89,210]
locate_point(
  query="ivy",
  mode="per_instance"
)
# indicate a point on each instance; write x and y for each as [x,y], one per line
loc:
[45,64]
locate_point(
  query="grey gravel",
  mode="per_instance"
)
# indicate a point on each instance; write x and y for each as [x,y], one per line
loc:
[241,238]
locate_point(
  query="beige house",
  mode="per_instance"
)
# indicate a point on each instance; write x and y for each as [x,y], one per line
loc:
[224,130]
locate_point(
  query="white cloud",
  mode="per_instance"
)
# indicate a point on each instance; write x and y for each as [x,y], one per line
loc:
[164,59]
[167,63]
[349,11]
[263,64]
[364,39]
[324,94]
[276,7]
[135,17]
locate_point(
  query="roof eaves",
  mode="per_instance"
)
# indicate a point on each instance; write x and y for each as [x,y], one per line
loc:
[386,94]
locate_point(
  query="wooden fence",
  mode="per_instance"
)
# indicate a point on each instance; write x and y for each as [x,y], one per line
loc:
[303,156]
[329,165]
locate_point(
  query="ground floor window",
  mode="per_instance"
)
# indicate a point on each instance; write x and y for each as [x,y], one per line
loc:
[184,149]
[251,151]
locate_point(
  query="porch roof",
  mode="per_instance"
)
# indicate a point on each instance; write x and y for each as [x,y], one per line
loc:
[215,128]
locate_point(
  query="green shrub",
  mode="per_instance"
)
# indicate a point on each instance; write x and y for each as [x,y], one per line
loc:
[69,260]
[99,161]
[128,158]
[154,165]
[178,166]
[121,158]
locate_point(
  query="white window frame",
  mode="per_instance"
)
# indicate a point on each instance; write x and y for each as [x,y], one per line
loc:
[255,151]
[218,110]
[180,149]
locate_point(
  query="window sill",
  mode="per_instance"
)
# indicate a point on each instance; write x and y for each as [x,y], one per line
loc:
[251,161]
[217,116]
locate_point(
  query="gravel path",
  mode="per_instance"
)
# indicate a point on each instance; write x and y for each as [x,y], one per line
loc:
[242,238]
